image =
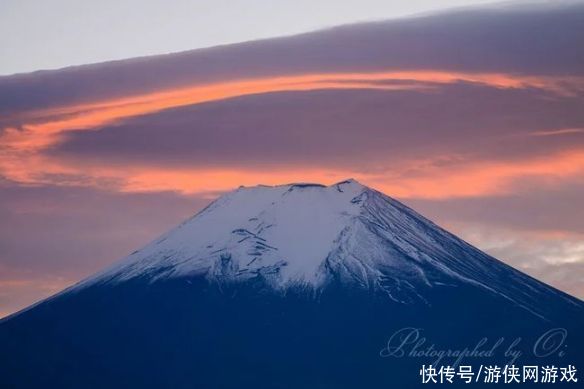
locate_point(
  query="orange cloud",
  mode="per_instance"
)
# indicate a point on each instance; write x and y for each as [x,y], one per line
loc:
[41,128]
[16,293]
[22,159]
[465,178]
[562,131]
[480,178]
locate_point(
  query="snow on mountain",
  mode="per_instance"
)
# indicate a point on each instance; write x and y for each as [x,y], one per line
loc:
[310,234]
[287,230]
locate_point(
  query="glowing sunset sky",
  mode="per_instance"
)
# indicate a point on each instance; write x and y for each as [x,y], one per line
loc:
[474,117]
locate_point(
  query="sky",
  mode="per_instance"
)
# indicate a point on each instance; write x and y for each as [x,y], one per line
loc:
[473,117]
[53,34]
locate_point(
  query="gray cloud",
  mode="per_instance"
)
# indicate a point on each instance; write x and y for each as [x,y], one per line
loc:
[557,261]
[538,229]
[348,128]
[532,206]
[72,232]
[521,40]
[51,237]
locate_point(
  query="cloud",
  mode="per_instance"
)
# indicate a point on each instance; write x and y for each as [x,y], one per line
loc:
[46,125]
[536,40]
[17,293]
[51,237]
[551,209]
[74,231]
[557,260]
[456,141]
[333,125]
[562,131]
[407,93]
[538,229]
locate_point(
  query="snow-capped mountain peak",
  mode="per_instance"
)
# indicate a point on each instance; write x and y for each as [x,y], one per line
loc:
[312,235]
[285,230]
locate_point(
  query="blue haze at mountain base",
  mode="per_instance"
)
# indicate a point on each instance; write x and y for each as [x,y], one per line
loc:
[187,333]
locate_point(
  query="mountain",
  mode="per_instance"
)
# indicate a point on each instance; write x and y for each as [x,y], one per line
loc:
[298,285]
